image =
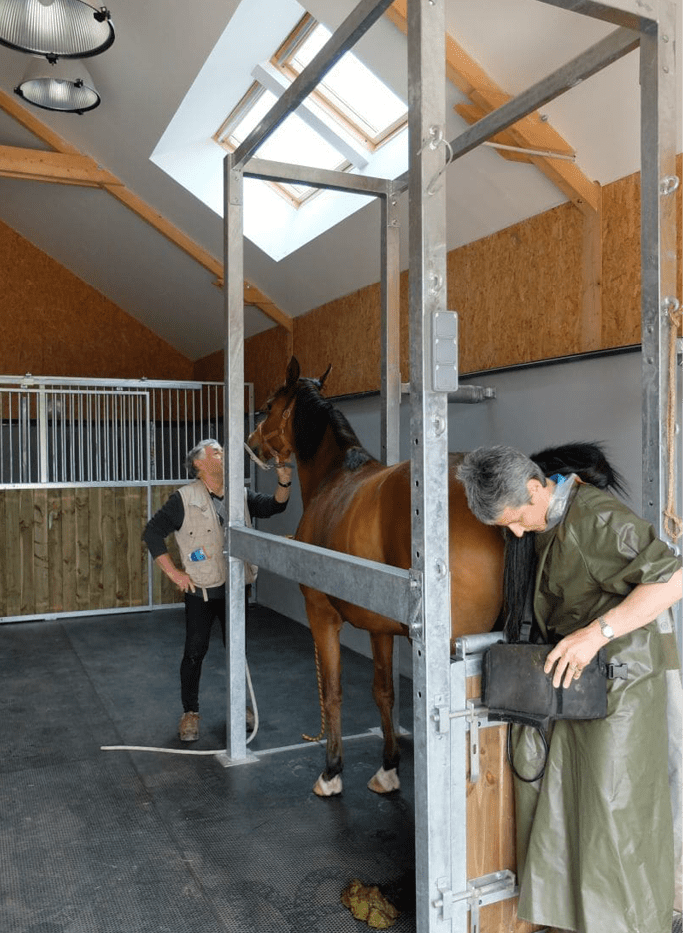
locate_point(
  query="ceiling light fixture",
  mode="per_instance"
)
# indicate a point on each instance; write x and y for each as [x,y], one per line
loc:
[55,28]
[65,86]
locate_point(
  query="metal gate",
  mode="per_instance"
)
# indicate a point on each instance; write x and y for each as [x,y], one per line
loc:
[83,464]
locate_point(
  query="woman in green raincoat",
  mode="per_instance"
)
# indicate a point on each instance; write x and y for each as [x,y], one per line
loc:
[594,833]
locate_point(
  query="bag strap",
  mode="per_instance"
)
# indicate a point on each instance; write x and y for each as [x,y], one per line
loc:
[544,741]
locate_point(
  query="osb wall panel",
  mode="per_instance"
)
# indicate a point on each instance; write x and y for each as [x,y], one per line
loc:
[621,262]
[621,258]
[518,292]
[345,333]
[56,325]
[266,356]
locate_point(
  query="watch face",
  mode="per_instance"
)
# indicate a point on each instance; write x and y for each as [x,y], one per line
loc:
[607,630]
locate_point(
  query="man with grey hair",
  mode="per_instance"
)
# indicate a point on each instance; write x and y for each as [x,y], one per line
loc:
[595,847]
[195,514]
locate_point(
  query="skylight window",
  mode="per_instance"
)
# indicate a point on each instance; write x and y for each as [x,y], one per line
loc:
[293,141]
[350,91]
[239,70]
[350,114]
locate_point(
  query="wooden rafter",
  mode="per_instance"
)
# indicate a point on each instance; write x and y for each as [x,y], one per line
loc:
[69,166]
[59,167]
[532,132]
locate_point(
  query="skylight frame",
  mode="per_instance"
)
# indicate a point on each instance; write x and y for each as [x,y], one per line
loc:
[296,195]
[326,98]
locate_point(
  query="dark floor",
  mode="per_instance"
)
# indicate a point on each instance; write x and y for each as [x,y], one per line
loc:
[96,841]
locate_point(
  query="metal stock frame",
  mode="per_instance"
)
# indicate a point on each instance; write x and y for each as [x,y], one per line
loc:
[420,597]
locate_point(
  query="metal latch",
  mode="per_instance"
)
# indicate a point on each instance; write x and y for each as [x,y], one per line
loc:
[488,889]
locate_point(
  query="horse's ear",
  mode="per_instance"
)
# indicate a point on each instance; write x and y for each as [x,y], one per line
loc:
[321,381]
[293,373]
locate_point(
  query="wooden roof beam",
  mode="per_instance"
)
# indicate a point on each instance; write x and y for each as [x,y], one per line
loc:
[532,132]
[59,167]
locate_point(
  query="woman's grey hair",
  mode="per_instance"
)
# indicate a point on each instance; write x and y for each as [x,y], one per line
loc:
[197,453]
[495,479]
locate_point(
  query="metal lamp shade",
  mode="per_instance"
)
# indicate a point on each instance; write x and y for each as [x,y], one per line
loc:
[55,28]
[64,86]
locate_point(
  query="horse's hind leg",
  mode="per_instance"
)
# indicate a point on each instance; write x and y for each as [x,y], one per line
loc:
[386,779]
[326,625]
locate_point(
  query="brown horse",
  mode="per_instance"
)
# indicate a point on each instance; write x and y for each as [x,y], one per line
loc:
[354,504]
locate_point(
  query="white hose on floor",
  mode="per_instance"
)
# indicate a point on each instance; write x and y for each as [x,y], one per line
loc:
[191,751]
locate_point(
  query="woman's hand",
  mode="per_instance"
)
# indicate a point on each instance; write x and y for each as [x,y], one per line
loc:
[572,654]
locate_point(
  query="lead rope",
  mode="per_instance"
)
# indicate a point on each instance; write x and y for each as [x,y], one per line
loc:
[673,524]
[318,737]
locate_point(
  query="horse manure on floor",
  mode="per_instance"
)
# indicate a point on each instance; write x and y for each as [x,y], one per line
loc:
[367,903]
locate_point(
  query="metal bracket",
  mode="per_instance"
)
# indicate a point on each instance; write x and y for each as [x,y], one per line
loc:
[445,351]
[476,718]
[488,889]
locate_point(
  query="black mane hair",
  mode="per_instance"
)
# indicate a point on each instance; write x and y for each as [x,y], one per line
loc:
[589,462]
[312,415]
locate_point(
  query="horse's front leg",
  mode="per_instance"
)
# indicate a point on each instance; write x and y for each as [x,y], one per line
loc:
[326,623]
[386,779]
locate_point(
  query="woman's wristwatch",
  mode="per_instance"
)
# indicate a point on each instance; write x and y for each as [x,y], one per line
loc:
[606,628]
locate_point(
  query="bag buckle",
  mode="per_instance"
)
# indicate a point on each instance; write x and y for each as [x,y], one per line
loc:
[617,670]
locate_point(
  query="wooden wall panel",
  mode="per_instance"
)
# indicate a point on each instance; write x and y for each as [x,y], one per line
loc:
[621,263]
[163,591]
[266,356]
[518,292]
[56,325]
[324,336]
[72,550]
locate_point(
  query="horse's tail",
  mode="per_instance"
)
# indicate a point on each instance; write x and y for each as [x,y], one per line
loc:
[589,462]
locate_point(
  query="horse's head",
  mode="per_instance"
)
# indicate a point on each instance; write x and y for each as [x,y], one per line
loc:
[274,437]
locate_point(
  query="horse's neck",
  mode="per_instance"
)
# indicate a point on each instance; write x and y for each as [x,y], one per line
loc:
[313,472]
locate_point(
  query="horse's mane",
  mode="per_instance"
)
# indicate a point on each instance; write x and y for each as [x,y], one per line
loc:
[313,414]
[589,461]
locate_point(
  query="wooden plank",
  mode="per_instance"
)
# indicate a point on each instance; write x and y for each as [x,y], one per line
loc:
[54,549]
[491,823]
[12,554]
[163,591]
[121,550]
[40,550]
[69,549]
[108,513]
[3,562]
[82,551]
[96,544]
[26,569]
[135,524]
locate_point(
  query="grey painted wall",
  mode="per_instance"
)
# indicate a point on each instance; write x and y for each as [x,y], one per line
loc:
[585,399]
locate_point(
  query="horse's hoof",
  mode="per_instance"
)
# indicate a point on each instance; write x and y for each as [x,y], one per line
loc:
[330,788]
[384,781]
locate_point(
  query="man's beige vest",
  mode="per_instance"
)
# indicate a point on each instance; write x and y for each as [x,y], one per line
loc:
[202,532]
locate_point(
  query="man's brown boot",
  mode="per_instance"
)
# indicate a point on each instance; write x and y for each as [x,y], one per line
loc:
[188,728]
